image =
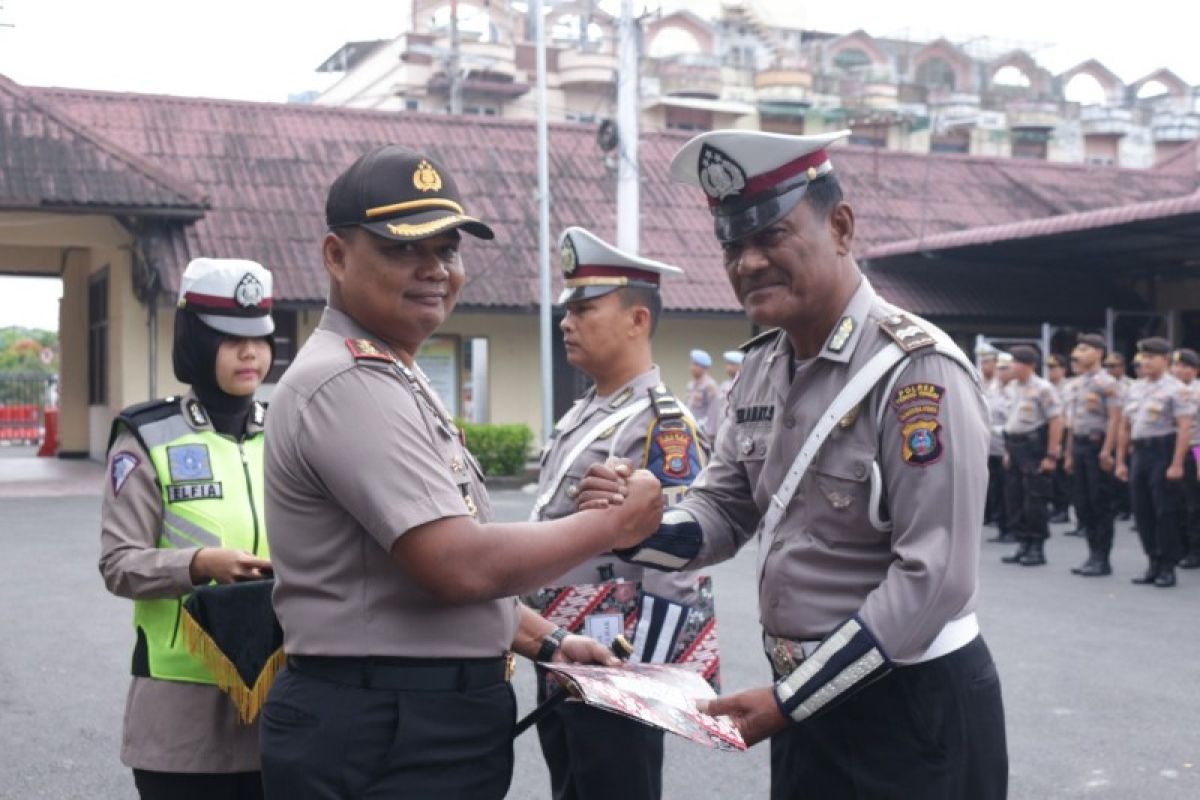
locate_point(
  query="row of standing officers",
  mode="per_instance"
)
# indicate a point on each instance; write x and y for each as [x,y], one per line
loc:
[1119,440]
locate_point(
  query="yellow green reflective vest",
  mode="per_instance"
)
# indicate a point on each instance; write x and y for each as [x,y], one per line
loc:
[212,495]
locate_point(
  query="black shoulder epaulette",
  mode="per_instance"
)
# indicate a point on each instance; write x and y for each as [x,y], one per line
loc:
[906,332]
[664,403]
[141,414]
[759,340]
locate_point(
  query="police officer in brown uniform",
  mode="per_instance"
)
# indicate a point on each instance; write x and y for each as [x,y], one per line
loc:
[1032,446]
[857,451]
[1185,363]
[1114,364]
[1094,416]
[1060,503]
[1157,425]
[612,304]
[395,592]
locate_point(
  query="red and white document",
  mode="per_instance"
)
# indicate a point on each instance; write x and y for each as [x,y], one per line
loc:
[661,695]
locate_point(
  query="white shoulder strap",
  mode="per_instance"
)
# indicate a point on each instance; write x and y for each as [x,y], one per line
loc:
[850,396]
[592,434]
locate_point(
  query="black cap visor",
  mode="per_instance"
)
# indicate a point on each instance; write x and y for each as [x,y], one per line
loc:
[573,294]
[731,226]
[412,227]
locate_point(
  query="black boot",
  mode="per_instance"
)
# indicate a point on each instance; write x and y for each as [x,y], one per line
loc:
[1091,559]
[1003,538]
[1096,567]
[1035,556]
[1190,561]
[1016,557]
[1166,578]
[1148,577]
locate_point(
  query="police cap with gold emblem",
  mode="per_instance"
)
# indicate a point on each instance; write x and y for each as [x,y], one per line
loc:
[1186,356]
[752,179]
[592,267]
[230,295]
[1155,346]
[399,194]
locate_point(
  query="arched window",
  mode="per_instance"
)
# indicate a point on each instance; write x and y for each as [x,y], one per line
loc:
[1085,90]
[1011,76]
[852,60]
[936,73]
[673,41]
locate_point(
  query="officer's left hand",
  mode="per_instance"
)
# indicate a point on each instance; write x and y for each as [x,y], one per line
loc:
[577,649]
[1175,472]
[754,711]
[1048,464]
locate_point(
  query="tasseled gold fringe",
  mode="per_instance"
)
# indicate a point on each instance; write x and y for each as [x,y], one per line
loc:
[249,701]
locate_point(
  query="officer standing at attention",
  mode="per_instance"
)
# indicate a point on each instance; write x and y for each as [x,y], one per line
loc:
[993,394]
[1157,426]
[183,507]
[1095,416]
[1032,446]
[395,592]
[1114,364]
[703,394]
[857,451]
[1056,374]
[613,304]
[1185,363]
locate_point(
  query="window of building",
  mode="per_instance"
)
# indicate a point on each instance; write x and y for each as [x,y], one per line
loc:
[852,60]
[579,116]
[936,73]
[285,342]
[688,119]
[457,368]
[412,105]
[98,338]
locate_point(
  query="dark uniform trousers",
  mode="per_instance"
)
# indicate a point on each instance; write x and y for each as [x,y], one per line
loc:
[338,728]
[1028,490]
[1191,496]
[994,508]
[596,755]
[197,785]
[1157,502]
[932,731]
[1094,493]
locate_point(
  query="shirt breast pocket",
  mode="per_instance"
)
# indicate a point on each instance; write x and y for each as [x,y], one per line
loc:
[839,497]
[752,449]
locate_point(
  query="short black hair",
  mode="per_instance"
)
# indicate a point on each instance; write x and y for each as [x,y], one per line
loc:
[631,296]
[824,194]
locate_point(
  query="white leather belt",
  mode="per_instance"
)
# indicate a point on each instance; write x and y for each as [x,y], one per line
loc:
[954,635]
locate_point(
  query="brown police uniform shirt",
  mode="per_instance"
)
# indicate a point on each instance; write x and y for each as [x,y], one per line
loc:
[624,439]
[928,434]
[1154,407]
[1031,405]
[358,455]
[169,726]
[702,395]
[1091,396]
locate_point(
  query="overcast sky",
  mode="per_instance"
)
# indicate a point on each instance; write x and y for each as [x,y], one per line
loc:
[268,49]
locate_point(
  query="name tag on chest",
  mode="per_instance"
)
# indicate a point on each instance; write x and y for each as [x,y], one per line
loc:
[180,493]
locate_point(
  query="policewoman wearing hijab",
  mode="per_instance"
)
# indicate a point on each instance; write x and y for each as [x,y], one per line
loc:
[183,506]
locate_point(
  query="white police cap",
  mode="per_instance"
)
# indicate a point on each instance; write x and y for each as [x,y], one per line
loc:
[701,358]
[231,295]
[751,178]
[592,267]
[734,356]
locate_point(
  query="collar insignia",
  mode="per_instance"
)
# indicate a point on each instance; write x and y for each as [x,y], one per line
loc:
[841,335]
[260,414]
[720,175]
[621,398]
[426,178]
[196,413]
[567,257]
[249,292]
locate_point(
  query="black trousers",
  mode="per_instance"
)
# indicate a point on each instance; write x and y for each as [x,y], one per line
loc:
[1191,498]
[1061,488]
[1028,490]
[1095,493]
[197,785]
[321,739]
[595,755]
[1157,502]
[994,505]
[932,731]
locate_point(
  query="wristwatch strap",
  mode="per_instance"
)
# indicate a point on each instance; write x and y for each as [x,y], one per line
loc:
[551,642]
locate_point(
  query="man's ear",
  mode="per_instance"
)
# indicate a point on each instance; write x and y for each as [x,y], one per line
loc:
[333,250]
[841,224]
[640,318]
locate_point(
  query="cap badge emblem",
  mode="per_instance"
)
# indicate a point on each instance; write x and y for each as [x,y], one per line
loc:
[567,257]
[720,175]
[426,178]
[249,291]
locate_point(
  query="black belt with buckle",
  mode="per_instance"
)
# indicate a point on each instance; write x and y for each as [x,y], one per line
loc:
[405,674]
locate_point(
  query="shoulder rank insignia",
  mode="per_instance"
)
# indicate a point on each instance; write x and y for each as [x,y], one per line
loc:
[841,334]
[759,340]
[664,403]
[906,333]
[366,349]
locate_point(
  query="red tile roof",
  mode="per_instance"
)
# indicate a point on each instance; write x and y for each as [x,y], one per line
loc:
[266,168]
[48,160]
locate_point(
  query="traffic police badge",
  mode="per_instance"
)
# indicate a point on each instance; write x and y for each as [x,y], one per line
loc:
[567,257]
[720,175]
[249,292]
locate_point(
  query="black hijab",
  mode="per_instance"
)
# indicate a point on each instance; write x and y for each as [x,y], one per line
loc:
[194,357]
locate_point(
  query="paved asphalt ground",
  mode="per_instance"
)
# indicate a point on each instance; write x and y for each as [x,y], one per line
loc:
[1101,678]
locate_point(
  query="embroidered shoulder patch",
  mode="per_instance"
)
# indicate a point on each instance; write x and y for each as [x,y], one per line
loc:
[921,445]
[917,406]
[366,349]
[189,462]
[120,468]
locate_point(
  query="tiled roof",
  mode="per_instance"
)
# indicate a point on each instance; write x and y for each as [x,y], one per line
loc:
[50,161]
[266,167]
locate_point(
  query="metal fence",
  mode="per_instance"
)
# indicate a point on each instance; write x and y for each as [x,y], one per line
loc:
[23,401]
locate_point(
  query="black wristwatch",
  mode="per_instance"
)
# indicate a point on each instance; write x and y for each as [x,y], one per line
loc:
[551,642]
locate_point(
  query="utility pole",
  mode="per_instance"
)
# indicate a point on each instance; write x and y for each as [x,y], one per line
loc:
[454,62]
[543,173]
[628,198]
